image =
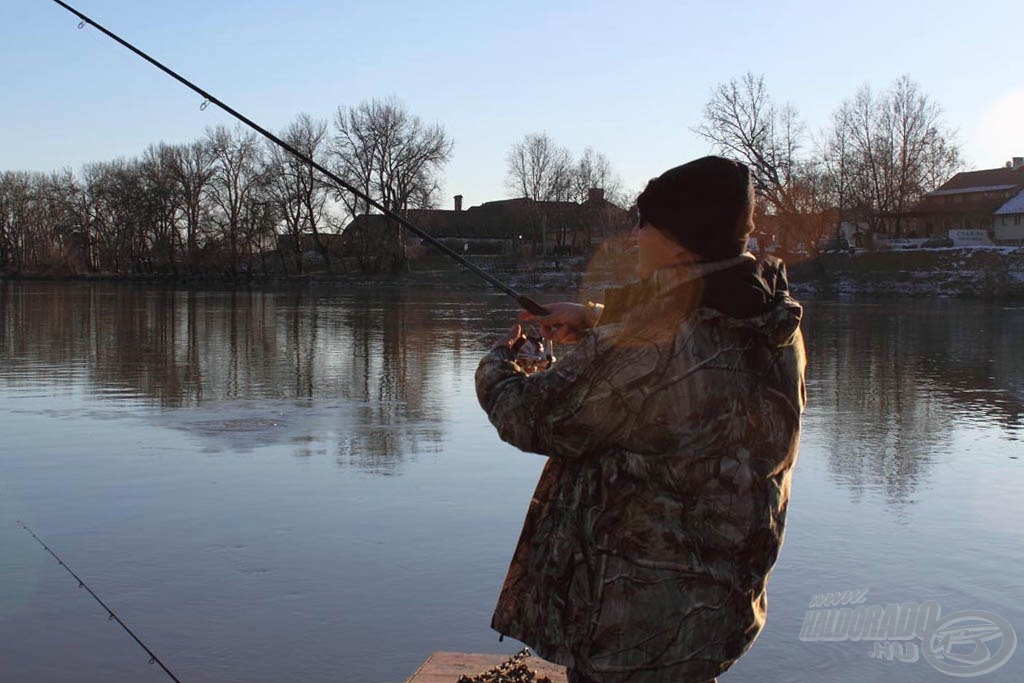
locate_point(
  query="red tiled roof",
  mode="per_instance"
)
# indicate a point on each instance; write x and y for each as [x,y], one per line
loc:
[980,204]
[986,178]
[972,192]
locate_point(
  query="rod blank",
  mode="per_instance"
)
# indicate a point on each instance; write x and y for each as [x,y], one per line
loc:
[526,302]
[81,584]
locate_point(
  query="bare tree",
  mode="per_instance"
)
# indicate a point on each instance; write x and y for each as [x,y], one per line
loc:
[537,168]
[835,150]
[162,205]
[238,192]
[62,204]
[594,171]
[99,217]
[299,193]
[741,121]
[118,215]
[15,217]
[396,159]
[192,168]
[893,147]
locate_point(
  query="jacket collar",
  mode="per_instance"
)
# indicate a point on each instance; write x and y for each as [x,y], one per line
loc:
[670,277]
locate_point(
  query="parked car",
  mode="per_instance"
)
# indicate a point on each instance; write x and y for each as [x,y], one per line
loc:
[839,245]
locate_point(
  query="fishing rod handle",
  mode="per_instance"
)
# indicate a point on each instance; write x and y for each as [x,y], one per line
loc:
[531,306]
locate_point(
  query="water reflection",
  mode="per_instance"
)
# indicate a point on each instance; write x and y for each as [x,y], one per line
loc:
[891,382]
[362,377]
[376,363]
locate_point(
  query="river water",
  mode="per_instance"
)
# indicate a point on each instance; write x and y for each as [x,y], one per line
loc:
[301,486]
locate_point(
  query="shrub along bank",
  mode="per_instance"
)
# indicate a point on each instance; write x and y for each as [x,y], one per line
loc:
[985,272]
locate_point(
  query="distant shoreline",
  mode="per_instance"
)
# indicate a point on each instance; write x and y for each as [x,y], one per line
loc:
[996,273]
[983,273]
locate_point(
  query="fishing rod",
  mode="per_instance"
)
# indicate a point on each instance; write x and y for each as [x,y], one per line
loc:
[111,616]
[526,302]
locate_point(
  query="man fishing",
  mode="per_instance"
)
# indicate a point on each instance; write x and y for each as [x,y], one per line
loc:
[672,428]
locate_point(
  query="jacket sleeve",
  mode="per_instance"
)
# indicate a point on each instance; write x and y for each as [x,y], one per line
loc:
[578,408]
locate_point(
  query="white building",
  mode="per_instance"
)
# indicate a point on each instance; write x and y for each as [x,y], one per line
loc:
[1008,226]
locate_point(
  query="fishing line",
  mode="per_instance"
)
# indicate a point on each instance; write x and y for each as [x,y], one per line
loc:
[111,616]
[525,302]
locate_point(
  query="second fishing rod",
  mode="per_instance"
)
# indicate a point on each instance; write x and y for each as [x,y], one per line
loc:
[524,301]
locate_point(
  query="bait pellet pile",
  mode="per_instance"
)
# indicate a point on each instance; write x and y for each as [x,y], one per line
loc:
[513,670]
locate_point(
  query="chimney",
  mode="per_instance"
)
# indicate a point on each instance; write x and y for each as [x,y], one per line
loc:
[1018,162]
[458,202]
[595,194]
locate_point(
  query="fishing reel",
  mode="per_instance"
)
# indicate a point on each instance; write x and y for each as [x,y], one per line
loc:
[534,354]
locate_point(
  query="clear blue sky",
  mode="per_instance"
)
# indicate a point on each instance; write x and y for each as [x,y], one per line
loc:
[629,79]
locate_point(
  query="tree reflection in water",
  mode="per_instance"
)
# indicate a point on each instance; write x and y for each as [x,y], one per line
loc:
[889,382]
[370,372]
[244,367]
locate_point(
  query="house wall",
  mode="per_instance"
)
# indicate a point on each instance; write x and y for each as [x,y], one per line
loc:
[940,225]
[1009,229]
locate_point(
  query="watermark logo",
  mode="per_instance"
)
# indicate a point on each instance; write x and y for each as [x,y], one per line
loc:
[963,644]
[959,644]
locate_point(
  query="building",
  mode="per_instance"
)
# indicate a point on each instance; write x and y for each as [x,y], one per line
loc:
[509,226]
[972,201]
[1008,228]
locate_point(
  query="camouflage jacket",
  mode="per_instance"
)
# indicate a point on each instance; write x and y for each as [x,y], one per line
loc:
[672,428]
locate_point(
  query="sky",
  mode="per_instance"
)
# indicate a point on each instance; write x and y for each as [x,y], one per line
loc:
[628,79]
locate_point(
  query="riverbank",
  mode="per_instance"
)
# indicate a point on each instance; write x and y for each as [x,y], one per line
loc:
[979,272]
[988,273]
[436,270]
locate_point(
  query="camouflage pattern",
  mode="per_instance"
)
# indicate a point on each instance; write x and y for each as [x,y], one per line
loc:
[660,513]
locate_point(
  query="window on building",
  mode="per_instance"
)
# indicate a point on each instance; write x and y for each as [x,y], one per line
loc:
[1016,219]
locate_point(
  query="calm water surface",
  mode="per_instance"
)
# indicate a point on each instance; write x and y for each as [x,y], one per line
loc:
[294,486]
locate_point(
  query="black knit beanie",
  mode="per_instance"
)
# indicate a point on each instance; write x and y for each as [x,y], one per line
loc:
[704,205]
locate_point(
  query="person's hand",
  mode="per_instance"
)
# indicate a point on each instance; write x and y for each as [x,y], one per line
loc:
[565,323]
[514,341]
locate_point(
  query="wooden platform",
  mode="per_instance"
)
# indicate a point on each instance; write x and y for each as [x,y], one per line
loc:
[446,667]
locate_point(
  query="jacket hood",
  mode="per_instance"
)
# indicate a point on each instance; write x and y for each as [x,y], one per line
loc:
[755,294]
[747,291]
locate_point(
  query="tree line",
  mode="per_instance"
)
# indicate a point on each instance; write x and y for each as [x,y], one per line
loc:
[880,151]
[539,168]
[233,203]
[230,202]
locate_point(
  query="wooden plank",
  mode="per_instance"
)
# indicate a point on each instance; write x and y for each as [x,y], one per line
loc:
[446,667]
